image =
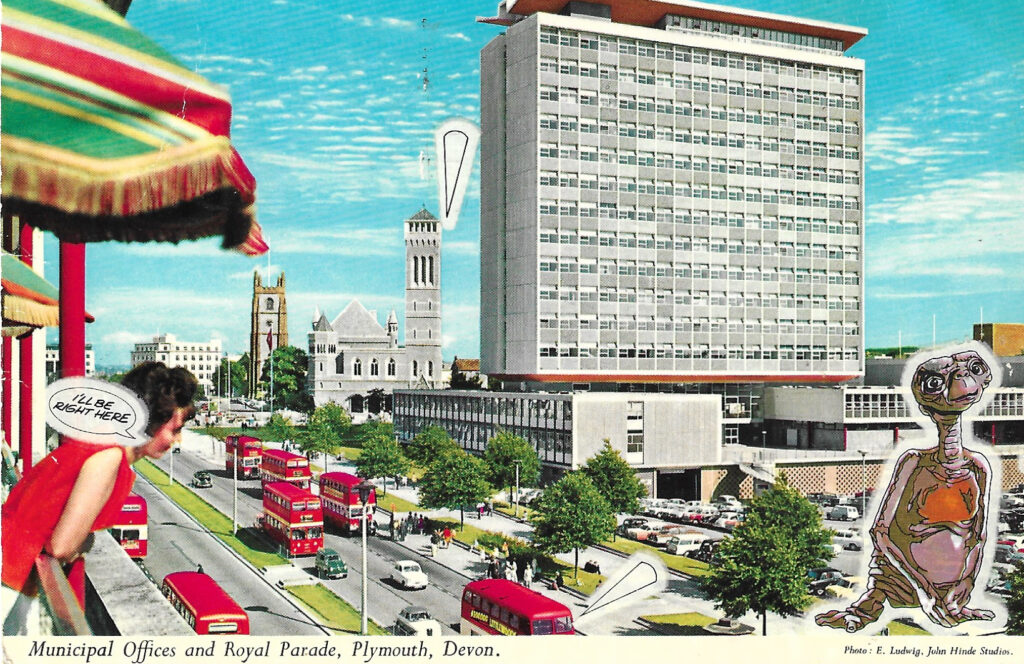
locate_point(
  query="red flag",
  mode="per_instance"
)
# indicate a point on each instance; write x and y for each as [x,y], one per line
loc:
[270,339]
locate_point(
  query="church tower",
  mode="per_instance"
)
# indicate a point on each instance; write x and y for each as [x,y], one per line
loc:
[269,316]
[423,299]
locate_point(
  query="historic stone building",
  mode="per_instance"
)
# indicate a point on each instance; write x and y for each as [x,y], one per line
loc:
[269,325]
[354,361]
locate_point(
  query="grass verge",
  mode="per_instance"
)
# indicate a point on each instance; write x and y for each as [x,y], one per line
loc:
[333,613]
[682,624]
[679,563]
[393,503]
[900,628]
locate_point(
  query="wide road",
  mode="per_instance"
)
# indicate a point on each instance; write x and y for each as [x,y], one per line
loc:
[385,599]
[176,543]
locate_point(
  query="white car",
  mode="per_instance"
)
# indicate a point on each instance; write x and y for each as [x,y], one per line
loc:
[416,621]
[409,575]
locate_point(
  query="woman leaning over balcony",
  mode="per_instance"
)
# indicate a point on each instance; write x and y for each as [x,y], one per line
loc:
[80,487]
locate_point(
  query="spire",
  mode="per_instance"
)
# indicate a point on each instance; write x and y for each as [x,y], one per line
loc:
[316,314]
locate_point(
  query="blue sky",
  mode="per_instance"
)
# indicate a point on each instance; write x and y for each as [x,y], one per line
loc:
[331,117]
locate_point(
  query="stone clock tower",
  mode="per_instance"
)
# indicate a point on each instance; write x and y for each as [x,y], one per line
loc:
[269,317]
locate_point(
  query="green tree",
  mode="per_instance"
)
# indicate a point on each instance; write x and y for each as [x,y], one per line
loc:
[278,427]
[1015,602]
[615,480]
[503,453]
[372,429]
[571,515]
[290,366]
[382,456]
[324,431]
[430,443]
[454,481]
[763,566]
[229,378]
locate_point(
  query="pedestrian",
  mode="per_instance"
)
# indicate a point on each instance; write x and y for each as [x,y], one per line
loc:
[80,487]
[558,581]
[528,576]
[504,549]
[493,569]
[420,525]
[510,572]
[533,568]
[447,535]
[515,571]
[199,569]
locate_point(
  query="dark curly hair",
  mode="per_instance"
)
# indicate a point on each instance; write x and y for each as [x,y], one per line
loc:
[163,390]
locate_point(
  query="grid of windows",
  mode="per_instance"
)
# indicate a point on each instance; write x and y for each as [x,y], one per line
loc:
[697,209]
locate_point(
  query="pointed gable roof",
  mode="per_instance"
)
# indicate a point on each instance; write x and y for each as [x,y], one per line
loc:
[423,215]
[356,321]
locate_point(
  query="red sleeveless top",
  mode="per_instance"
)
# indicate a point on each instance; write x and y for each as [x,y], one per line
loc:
[36,502]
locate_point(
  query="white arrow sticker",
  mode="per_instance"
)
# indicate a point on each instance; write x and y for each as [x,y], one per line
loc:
[456,141]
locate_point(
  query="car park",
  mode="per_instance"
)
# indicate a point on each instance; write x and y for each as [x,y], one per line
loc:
[416,621]
[848,587]
[329,565]
[201,479]
[631,522]
[704,514]
[409,575]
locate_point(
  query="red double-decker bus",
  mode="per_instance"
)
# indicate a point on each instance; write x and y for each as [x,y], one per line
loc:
[497,606]
[249,449]
[293,517]
[341,501]
[204,604]
[131,529]
[281,466]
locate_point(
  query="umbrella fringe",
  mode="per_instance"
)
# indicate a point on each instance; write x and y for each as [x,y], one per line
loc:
[24,311]
[141,188]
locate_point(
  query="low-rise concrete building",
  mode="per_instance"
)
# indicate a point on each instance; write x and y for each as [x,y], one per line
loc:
[665,437]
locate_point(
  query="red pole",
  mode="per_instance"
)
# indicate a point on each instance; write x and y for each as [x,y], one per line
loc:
[72,345]
[5,361]
[72,309]
[25,377]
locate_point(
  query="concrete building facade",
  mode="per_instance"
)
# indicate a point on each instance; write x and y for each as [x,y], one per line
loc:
[670,198]
[200,357]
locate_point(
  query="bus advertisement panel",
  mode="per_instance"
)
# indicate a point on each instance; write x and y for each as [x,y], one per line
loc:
[131,528]
[293,518]
[204,604]
[498,606]
[281,466]
[249,449]
[341,502]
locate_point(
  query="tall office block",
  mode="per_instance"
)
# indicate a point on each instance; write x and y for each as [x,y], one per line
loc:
[671,192]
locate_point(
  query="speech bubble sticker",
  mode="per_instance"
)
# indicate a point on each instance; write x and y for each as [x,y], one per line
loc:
[95,411]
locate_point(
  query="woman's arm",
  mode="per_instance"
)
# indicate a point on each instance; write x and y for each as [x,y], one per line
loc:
[92,489]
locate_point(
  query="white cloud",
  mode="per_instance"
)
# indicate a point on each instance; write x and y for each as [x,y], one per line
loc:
[463,247]
[397,23]
[205,248]
[458,36]
[964,227]
[267,272]
[269,103]
[125,338]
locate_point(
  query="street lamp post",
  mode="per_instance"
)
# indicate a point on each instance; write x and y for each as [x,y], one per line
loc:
[517,462]
[764,437]
[234,491]
[864,479]
[364,488]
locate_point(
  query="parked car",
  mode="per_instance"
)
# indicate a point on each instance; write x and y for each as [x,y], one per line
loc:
[685,544]
[1015,541]
[727,502]
[201,480]
[416,621]
[631,522]
[652,534]
[728,520]
[329,565]
[823,499]
[707,551]
[819,578]
[848,587]
[702,514]
[409,575]
[850,540]
[844,513]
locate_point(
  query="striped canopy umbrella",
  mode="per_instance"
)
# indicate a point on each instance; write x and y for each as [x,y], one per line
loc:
[29,301]
[105,136]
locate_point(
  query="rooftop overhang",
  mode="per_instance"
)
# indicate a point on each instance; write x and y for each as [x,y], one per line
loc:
[671,378]
[648,12]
